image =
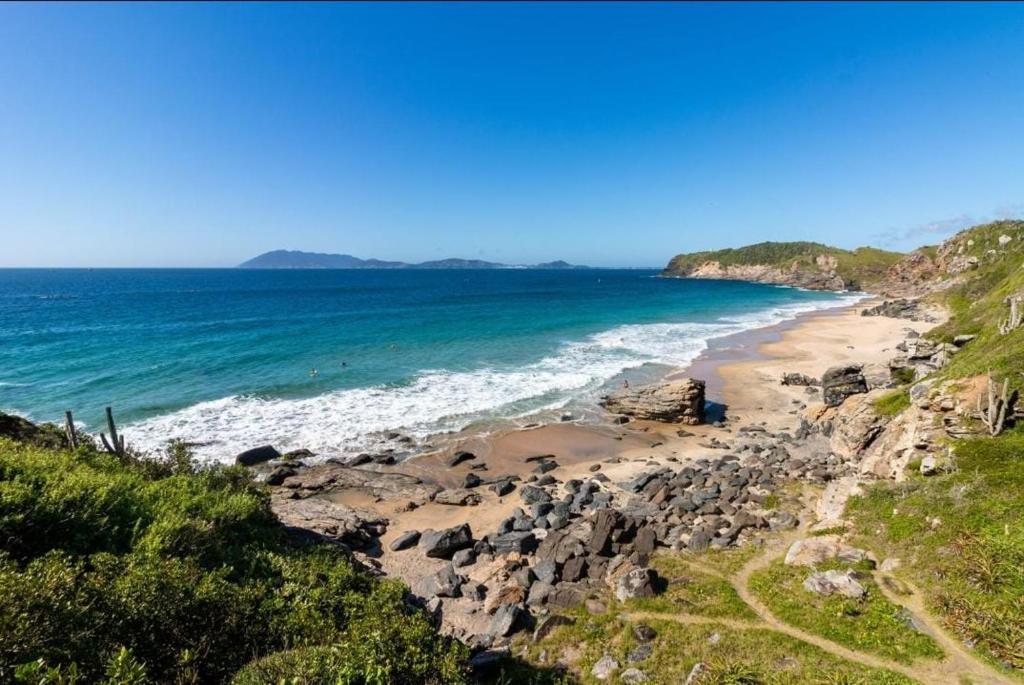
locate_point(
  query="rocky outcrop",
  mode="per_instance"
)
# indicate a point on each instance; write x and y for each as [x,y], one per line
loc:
[257,455]
[385,485]
[677,401]
[329,520]
[839,382]
[796,275]
[22,430]
[900,309]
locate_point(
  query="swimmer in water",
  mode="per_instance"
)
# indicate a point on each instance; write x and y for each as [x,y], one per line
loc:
[625,383]
[313,373]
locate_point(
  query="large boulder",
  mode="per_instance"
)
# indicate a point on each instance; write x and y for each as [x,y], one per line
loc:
[329,520]
[638,582]
[442,544]
[677,401]
[257,455]
[840,382]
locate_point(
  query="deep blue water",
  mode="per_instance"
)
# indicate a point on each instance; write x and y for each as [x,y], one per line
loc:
[225,356]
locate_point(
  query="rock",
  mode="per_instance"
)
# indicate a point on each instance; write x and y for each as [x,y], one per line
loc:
[812,551]
[640,653]
[680,401]
[464,557]
[1004,240]
[510,593]
[792,378]
[604,668]
[633,675]
[257,455]
[929,465]
[329,520]
[548,624]
[503,486]
[696,674]
[890,564]
[405,541]
[471,480]
[963,339]
[444,583]
[699,541]
[644,633]
[459,457]
[444,543]
[332,476]
[638,582]
[899,309]
[459,497]
[839,382]
[546,571]
[531,494]
[507,620]
[279,474]
[835,582]
[519,542]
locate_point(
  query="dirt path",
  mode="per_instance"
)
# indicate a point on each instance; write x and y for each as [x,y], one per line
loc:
[958,666]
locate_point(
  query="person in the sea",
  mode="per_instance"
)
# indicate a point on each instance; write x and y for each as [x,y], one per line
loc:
[625,383]
[313,373]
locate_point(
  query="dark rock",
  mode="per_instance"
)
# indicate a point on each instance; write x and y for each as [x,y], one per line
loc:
[640,653]
[546,571]
[405,541]
[464,557]
[507,620]
[444,543]
[257,455]
[637,583]
[471,481]
[548,624]
[460,457]
[519,542]
[839,382]
[444,583]
[503,486]
[797,379]
[279,474]
[532,494]
[573,569]
[644,633]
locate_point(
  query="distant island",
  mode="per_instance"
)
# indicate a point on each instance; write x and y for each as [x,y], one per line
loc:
[295,259]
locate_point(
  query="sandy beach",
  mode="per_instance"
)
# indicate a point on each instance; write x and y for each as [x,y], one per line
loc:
[743,377]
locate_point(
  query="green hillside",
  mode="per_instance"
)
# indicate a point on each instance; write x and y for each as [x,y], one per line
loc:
[858,268]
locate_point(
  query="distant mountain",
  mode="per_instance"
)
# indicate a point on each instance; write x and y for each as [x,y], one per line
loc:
[295,259]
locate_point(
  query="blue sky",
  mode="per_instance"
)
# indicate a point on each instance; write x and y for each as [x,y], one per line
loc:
[606,134]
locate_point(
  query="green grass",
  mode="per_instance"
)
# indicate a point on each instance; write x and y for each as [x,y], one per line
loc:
[165,573]
[871,624]
[977,305]
[892,402]
[971,565]
[756,656]
[692,592]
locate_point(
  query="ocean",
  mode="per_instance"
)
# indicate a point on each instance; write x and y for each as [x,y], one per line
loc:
[225,358]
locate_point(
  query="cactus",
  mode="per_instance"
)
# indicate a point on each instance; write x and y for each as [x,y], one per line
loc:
[116,444]
[993,415]
[1016,317]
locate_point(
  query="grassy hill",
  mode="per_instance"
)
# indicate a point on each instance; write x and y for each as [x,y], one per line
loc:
[860,268]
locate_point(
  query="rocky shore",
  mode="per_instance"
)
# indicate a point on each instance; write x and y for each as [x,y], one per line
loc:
[500,540]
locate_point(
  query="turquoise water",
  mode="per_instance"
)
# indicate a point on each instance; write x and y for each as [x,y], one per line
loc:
[224,357]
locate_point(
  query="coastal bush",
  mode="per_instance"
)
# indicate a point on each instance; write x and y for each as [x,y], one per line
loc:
[128,572]
[961,534]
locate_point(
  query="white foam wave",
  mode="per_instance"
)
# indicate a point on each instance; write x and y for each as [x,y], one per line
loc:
[436,401]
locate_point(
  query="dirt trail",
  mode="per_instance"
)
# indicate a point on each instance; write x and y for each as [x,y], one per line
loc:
[958,666]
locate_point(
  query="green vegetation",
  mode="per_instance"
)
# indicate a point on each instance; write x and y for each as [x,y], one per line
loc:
[159,572]
[892,402]
[692,592]
[756,656]
[977,304]
[870,624]
[858,268]
[961,535]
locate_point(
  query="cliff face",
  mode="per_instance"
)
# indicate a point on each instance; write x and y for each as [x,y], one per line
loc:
[801,264]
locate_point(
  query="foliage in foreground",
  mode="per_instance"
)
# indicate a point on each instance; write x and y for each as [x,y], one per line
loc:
[157,572]
[961,536]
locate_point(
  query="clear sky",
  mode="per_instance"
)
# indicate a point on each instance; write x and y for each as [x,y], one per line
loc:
[605,134]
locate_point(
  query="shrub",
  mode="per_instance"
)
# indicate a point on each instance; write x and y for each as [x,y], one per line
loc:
[130,572]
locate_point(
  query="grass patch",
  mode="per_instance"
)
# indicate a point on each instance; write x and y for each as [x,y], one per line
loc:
[692,592]
[892,403]
[971,565]
[871,624]
[755,656]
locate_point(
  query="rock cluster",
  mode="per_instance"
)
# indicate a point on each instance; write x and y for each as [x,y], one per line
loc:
[900,309]
[677,401]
